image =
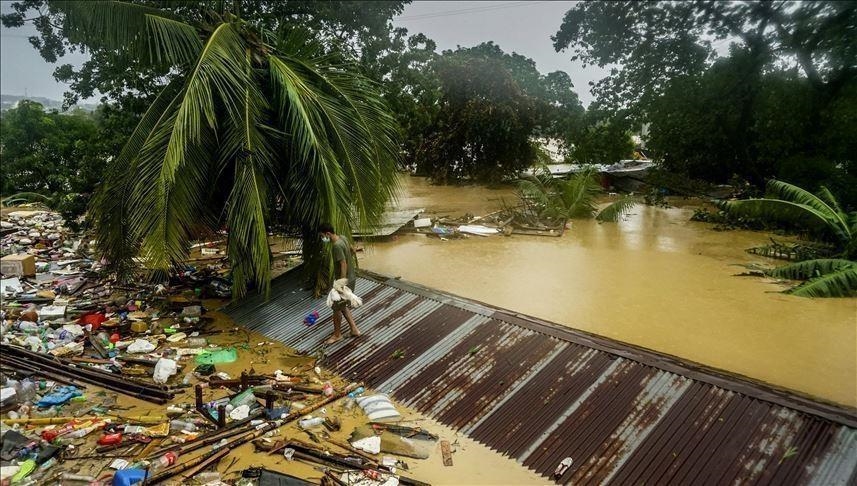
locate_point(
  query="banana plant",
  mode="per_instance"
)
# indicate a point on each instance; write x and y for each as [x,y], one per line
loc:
[820,214]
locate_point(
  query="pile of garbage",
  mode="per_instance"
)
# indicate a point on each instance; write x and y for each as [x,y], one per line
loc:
[117,384]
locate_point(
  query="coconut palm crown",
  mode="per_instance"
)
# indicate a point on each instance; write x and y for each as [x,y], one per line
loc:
[253,128]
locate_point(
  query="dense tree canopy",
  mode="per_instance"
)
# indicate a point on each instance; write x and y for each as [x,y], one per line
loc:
[58,155]
[483,129]
[492,104]
[777,105]
[340,27]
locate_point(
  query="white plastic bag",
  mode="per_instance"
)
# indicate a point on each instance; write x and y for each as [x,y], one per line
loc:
[332,297]
[141,346]
[371,445]
[240,412]
[352,298]
[164,369]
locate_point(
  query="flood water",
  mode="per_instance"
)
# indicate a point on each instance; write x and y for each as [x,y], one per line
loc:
[655,280]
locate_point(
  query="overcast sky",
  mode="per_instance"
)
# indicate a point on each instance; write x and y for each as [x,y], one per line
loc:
[516,26]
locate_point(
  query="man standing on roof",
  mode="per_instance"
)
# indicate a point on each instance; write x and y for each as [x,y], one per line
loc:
[343,267]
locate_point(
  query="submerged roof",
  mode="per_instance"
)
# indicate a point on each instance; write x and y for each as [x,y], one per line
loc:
[539,392]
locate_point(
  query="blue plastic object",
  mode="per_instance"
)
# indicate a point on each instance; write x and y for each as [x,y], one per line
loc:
[311,319]
[60,396]
[127,477]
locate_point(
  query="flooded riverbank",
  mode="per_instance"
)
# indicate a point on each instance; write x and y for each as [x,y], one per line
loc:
[655,279]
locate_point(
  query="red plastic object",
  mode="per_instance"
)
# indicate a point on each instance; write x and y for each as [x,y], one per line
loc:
[94,319]
[114,338]
[110,439]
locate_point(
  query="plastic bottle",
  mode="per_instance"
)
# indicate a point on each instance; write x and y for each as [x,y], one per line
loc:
[186,379]
[27,326]
[179,425]
[244,398]
[50,435]
[208,477]
[357,392]
[163,462]
[196,342]
[310,422]
[219,445]
[77,434]
[26,390]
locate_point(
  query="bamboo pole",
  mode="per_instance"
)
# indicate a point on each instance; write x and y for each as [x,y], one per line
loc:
[140,419]
[248,436]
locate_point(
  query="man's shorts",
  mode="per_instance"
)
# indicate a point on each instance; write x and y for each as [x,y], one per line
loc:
[340,305]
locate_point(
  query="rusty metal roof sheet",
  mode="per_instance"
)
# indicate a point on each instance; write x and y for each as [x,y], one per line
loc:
[539,392]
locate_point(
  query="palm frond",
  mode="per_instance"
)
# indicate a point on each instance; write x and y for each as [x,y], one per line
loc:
[578,194]
[835,217]
[811,268]
[785,211]
[108,208]
[617,209]
[154,35]
[343,138]
[825,195]
[247,204]
[25,197]
[533,189]
[165,208]
[841,283]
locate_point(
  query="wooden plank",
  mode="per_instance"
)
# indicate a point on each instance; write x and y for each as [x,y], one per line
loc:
[446,452]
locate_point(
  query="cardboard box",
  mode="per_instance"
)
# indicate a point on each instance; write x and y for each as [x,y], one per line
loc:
[22,265]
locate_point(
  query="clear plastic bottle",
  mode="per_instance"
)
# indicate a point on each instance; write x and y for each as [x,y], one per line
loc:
[196,342]
[244,398]
[77,434]
[310,422]
[26,390]
[28,327]
[163,462]
[179,425]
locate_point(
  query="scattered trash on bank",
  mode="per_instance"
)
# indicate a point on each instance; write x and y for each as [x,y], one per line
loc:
[75,345]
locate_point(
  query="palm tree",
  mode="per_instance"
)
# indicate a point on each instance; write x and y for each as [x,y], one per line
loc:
[253,128]
[561,199]
[820,214]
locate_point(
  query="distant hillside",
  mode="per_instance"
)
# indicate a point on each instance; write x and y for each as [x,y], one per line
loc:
[9,101]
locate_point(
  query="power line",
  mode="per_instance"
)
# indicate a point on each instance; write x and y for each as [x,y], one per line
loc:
[470,10]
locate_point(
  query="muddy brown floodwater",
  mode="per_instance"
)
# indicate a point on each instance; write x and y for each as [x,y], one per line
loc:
[655,279]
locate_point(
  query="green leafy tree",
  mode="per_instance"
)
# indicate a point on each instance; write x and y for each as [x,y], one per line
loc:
[482,131]
[60,156]
[252,128]
[602,139]
[747,114]
[338,26]
[650,43]
[820,214]
[558,109]
[410,86]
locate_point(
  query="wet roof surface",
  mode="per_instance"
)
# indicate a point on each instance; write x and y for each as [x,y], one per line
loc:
[539,392]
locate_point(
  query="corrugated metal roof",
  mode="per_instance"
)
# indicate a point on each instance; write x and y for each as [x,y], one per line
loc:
[539,392]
